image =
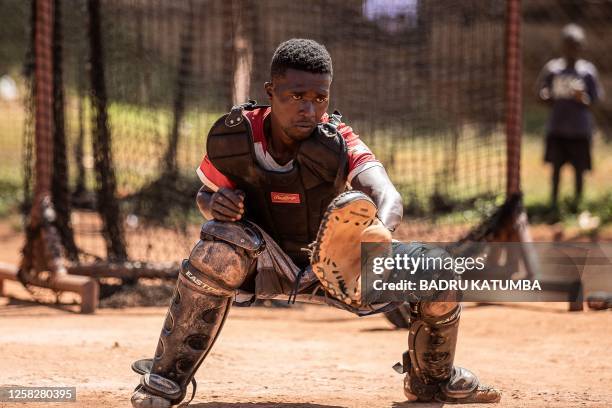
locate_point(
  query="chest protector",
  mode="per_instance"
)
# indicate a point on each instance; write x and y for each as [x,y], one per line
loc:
[288,205]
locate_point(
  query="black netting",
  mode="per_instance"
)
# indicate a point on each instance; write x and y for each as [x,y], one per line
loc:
[422,82]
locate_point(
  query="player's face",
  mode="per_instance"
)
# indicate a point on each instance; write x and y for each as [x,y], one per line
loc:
[571,49]
[299,99]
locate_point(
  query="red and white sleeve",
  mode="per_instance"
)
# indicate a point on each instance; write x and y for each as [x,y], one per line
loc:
[211,177]
[360,156]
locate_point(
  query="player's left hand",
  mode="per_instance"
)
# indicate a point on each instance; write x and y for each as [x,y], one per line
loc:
[582,97]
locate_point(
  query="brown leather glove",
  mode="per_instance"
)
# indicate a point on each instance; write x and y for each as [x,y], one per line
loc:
[349,220]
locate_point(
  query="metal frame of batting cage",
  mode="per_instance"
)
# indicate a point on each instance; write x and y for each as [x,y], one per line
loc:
[43,263]
[509,223]
[48,233]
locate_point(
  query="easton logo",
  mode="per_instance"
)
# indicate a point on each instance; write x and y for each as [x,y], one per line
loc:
[285,198]
[193,278]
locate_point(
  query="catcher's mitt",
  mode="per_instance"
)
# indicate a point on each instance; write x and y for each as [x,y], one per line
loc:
[349,220]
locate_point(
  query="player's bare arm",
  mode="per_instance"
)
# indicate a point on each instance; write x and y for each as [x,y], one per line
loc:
[376,183]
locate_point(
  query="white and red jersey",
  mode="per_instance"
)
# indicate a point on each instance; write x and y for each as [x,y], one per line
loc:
[360,157]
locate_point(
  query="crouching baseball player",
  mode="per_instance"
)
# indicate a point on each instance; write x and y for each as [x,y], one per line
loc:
[275,182]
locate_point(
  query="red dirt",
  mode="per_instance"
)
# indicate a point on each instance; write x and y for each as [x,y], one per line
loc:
[308,356]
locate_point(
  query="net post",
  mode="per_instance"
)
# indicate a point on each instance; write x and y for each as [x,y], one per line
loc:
[43,105]
[513,97]
[43,145]
[519,227]
[43,250]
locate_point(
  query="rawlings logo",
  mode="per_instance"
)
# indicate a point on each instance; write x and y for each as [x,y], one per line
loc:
[285,198]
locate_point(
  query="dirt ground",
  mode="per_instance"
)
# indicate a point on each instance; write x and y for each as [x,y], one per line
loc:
[303,357]
[308,356]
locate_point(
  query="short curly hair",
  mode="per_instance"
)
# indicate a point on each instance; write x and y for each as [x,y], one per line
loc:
[301,54]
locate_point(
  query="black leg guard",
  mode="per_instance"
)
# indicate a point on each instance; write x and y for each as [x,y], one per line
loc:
[201,302]
[429,362]
[186,338]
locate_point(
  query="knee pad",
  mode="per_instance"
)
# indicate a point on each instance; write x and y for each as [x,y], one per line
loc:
[221,260]
[431,260]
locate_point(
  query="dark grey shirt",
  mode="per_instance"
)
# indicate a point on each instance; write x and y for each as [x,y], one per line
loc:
[569,117]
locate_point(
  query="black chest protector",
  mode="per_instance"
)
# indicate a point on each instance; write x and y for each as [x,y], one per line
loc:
[287,205]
